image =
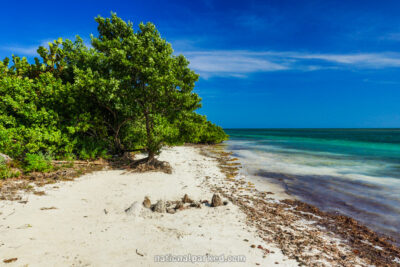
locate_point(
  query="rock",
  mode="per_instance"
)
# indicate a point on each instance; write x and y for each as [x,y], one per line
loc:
[6,158]
[134,209]
[146,202]
[195,204]
[216,201]
[186,199]
[171,210]
[160,207]
[179,205]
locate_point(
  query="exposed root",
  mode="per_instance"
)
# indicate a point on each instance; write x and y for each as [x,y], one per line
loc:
[146,164]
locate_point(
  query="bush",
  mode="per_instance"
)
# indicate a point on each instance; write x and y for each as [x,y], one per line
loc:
[195,128]
[5,170]
[89,149]
[37,162]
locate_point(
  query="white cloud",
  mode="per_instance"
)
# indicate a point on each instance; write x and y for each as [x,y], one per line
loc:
[30,50]
[240,63]
[23,51]
[230,63]
[363,60]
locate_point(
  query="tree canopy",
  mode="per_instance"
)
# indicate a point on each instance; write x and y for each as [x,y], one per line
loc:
[127,91]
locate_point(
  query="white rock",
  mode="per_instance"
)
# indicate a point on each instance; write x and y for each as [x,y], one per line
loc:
[160,207]
[134,209]
[6,158]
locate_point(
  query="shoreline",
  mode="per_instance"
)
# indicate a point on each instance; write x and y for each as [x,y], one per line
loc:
[359,244]
[331,169]
[84,222]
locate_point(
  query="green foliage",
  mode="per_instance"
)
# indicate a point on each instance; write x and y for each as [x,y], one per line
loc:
[37,162]
[194,128]
[37,115]
[142,78]
[89,149]
[129,91]
[6,171]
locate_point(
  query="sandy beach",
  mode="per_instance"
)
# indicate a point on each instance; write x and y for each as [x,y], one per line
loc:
[98,220]
[84,223]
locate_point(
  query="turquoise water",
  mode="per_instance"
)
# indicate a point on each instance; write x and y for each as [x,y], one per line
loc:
[355,172]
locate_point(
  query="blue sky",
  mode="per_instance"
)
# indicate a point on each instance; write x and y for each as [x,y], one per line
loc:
[262,63]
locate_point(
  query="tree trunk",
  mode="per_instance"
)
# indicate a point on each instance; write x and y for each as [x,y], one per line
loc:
[151,156]
[118,145]
[150,151]
[117,140]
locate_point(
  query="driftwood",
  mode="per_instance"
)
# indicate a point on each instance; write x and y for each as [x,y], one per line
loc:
[78,162]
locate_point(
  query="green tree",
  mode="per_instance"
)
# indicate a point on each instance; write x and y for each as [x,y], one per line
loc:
[126,92]
[147,82]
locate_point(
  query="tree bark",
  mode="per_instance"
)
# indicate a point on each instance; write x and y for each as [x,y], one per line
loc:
[150,151]
[117,140]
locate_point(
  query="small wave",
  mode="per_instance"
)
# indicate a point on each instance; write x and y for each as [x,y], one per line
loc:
[332,175]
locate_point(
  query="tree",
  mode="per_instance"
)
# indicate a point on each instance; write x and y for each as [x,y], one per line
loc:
[140,70]
[126,92]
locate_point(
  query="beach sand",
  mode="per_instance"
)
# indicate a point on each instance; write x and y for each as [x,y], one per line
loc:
[84,223]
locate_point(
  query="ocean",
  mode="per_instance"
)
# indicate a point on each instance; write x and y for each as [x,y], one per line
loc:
[354,172]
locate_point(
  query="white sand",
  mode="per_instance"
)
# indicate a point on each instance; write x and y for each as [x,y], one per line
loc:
[80,233]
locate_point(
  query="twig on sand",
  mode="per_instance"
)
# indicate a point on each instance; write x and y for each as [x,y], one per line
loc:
[10,260]
[140,254]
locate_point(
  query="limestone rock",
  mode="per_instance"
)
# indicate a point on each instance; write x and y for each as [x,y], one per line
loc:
[4,157]
[195,204]
[179,205]
[186,199]
[147,202]
[160,207]
[134,209]
[171,210]
[216,201]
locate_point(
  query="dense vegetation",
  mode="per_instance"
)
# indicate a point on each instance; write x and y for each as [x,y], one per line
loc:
[127,91]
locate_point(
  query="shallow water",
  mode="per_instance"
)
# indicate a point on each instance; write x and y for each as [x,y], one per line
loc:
[355,172]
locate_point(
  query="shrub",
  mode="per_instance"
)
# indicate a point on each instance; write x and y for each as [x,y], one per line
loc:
[37,162]
[6,171]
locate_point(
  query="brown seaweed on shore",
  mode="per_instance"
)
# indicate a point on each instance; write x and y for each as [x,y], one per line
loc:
[302,231]
[365,242]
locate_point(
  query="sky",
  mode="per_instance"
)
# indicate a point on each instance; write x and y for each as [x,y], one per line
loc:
[262,64]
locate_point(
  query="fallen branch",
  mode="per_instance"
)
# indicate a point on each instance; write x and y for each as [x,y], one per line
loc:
[140,254]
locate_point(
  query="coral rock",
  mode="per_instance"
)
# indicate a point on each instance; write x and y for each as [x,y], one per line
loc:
[195,204]
[186,199]
[216,201]
[170,210]
[4,157]
[160,207]
[133,209]
[179,205]
[146,202]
